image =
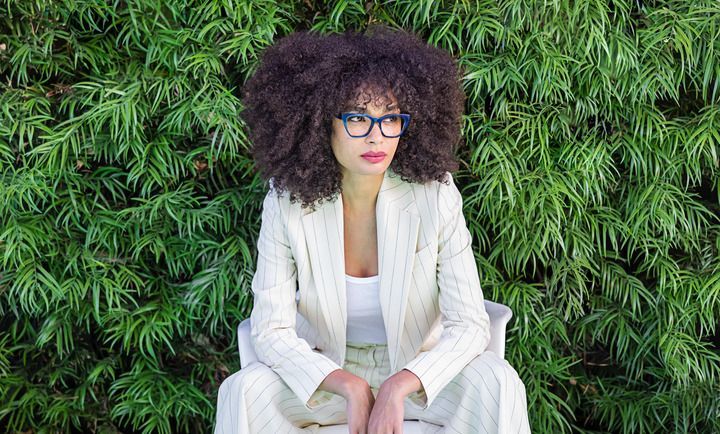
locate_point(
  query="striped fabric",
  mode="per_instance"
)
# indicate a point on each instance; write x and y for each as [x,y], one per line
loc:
[430,294]
[487,396]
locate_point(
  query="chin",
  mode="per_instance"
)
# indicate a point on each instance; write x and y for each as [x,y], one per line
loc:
[375,169]
[366,168]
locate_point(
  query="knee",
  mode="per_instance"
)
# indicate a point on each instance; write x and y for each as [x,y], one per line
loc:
[493,371]
[243,380]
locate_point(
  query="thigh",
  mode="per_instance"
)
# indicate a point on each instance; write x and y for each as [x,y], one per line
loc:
[487,396]
[255,399]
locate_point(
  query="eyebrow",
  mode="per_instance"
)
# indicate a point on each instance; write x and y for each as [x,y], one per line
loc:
[389,107]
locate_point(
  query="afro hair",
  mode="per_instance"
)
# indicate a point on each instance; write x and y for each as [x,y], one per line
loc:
[306,78]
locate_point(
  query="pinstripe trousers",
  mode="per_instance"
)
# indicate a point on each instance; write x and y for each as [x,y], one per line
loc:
[486,397]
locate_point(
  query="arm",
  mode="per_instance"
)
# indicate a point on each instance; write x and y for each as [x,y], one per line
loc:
[274,311]
[466,325]
[358,396]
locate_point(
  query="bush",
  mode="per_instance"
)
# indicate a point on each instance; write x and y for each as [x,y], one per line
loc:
[130,206]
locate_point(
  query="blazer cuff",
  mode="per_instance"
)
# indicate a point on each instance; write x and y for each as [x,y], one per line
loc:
[420,398]
[318,397]
[432,379]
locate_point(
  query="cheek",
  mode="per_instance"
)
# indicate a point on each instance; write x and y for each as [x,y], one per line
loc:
[338,130]
[341,150]
[394,147]
[337,135]
[335,140]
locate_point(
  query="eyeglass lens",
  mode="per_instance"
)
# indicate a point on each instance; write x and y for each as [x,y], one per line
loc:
[359,125]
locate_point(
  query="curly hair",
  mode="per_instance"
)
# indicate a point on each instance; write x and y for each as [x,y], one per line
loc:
[306,78]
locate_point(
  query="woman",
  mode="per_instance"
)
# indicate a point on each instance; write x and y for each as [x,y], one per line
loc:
[367,301]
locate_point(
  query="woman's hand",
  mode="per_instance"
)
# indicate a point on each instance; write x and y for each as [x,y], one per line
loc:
[357,393]
[388,413]
[360,403]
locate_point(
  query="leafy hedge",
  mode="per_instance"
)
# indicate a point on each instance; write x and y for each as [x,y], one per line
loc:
[130,206]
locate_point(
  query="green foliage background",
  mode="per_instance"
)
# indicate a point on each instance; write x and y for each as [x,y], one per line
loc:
[130,205]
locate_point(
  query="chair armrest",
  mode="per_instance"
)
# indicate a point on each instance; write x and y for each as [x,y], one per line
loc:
[245,348]
[499,316]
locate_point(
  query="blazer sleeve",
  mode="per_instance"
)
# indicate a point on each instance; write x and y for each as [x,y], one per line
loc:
[273,316]
[466,325]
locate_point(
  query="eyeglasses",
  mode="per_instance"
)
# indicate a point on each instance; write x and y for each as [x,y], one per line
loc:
[360,124]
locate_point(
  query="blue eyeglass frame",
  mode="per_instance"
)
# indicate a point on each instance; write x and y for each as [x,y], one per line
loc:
[404,116]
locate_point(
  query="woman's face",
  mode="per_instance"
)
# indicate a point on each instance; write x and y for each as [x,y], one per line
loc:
[349,150]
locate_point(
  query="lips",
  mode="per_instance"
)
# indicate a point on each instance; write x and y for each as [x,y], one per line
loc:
[373,154]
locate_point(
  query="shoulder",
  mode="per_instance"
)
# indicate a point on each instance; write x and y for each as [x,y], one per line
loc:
[448,191]
[437,202]
[280,203]
[444,193]
[443,202]
[276,201]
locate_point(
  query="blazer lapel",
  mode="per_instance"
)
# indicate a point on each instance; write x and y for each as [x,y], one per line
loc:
[325,242]
[397,231]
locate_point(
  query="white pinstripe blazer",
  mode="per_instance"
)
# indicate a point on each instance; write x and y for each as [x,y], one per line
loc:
[430,294]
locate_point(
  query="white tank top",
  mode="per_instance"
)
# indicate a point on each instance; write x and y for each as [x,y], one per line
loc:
[364,316]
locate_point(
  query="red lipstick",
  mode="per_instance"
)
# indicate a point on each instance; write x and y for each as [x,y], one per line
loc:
[374,157]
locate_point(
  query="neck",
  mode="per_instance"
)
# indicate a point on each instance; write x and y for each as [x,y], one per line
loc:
[360,192]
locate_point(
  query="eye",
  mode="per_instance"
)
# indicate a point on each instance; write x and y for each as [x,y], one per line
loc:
[357,118]
[391,119]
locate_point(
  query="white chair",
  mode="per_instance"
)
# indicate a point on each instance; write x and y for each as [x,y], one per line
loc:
[499,316]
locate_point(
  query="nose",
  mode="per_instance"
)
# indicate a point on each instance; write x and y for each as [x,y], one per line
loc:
[375,133]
